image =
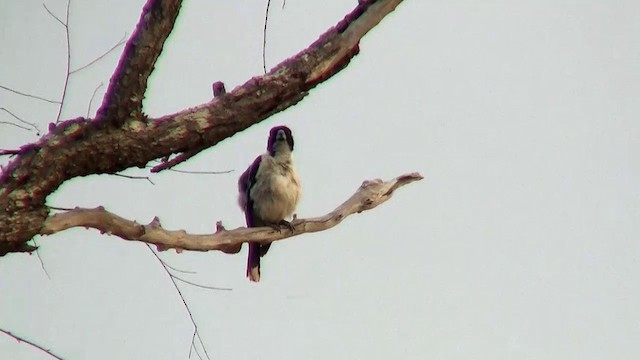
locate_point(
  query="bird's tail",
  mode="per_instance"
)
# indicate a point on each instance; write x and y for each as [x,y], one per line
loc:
[253,262]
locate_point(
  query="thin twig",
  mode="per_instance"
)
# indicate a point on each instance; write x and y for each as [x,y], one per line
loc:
[193,321]
[166,165]
[60,208]
[101,56]
[200,286]
[66,78]
[178,270]
[92,97]
[201,172]
[40,259]
[176,160]
[29,95]
[197,353]
[193,343]
[264,38]
[52,15]
[21,120]
[14,124]
[21,339]
[136,177]
[206,354]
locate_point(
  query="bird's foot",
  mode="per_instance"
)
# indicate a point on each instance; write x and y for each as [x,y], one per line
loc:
[282,223]
[286,224]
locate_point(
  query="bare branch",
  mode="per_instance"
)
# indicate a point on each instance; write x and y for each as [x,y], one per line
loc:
[176,160]
[124,95]
[201,172]
[135,177]
[193,321]
[60,208]
[30,95]
[206,354]
[196,350]
[21,339]
[92,97]
[178,270]
[199,285]
[27,180]
[264,38]
[54,16]
[66,77]
[33,125]
[40,259]
[195,172]
[121,42]
[14,124]
[369,195]
[166,265]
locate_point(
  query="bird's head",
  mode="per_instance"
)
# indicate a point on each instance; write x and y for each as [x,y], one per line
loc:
[280,141]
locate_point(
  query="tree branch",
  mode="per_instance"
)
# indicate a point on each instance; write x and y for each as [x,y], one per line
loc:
[14,124]
[29,95]
[218,90]
[54,16]
[21,339]
[92,97]
[264,38]
[180,158]
[369,195]
[33,125]
[128,84]
[184,301]
[67,74]
[122,137]
[104,54]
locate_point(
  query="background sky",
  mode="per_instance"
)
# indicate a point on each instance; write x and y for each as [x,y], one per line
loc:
[520,243]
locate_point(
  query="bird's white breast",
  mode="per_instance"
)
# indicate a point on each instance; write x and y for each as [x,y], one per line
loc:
[276,191]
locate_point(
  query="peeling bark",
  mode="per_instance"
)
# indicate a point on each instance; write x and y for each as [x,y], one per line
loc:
[122,137]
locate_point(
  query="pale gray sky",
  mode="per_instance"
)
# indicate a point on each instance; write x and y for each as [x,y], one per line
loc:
[521,242]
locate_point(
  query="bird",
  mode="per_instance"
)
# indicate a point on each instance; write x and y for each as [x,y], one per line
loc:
[269,191]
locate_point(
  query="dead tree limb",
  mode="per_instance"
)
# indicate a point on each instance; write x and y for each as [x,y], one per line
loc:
[121,136]
[369,195]
[31,343]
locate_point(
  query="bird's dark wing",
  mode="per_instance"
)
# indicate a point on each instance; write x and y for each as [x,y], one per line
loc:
[245,183]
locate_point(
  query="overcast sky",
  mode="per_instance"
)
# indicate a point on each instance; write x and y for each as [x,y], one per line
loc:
[520,243]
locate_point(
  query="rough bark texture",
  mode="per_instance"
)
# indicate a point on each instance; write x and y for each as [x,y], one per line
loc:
[121,136]
[123,98]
